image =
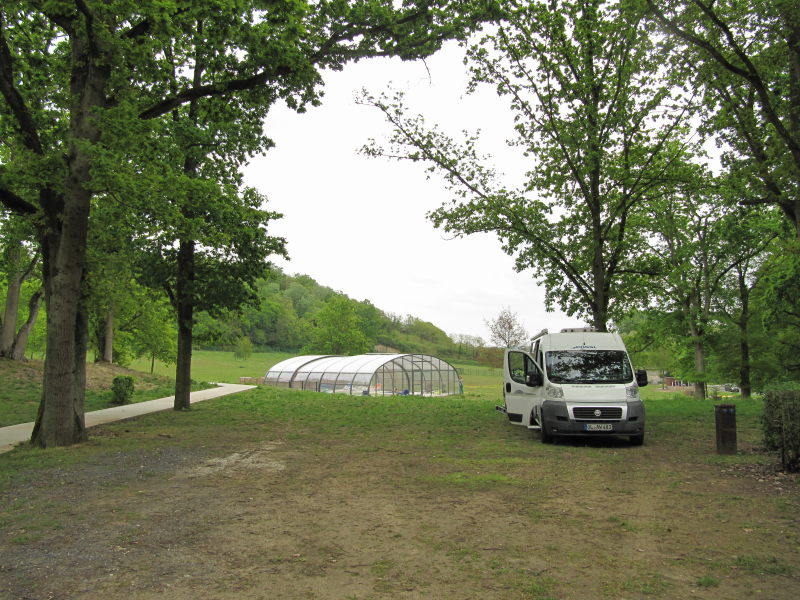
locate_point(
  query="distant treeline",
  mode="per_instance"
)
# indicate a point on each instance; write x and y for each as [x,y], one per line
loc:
[297,314]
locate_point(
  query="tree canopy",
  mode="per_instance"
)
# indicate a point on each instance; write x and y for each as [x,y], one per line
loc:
[743,55]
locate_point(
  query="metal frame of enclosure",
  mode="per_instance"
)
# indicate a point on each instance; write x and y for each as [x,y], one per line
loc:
[367,375]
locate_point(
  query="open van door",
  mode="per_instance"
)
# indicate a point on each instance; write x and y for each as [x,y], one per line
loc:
[523,388]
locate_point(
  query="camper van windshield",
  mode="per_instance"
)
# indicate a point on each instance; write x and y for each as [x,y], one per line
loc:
[588,366]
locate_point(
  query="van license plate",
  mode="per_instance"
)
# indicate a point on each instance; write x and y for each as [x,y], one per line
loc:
[598,427]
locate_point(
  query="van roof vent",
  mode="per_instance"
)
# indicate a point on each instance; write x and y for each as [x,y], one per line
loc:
[538,335]
[578,330]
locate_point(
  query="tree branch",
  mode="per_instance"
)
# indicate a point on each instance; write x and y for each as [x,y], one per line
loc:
[215,89]
[15,203]
[15,101]
[328,49]
[749,73]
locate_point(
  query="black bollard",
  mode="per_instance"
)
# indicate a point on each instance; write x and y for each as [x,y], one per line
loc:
[726,428]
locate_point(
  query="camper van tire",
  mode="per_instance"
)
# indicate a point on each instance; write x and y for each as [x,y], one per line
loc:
[637,440]
[547,437]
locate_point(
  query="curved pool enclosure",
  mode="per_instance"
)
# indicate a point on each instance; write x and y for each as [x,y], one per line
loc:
[367,375]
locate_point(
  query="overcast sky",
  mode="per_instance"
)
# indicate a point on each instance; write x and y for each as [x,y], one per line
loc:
[358,225]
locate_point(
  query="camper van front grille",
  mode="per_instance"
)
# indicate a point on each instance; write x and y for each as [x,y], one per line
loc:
[592,413]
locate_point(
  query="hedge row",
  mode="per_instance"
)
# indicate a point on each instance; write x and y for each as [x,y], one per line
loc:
[782,424]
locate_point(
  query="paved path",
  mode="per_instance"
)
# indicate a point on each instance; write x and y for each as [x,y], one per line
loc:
[14,434]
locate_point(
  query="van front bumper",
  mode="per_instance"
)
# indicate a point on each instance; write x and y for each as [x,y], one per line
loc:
[613,419]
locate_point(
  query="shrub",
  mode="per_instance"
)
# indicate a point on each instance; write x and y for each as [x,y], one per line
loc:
[122,388]
[244,348]
[781,423]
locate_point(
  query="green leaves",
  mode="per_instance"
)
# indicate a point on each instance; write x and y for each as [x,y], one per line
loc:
[337,329]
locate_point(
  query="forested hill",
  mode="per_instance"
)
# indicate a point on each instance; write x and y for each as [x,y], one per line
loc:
[297,314]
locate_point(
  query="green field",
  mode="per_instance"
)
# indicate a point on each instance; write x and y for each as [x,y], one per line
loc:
[329,496]
[208,365]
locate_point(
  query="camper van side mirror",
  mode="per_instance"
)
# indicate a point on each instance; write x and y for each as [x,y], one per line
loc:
[534,378]
[641,378]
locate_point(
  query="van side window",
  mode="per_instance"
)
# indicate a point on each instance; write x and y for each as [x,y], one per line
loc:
[519,365]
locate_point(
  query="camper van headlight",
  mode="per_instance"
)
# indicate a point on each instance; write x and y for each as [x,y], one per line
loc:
[632,392]
[554,392]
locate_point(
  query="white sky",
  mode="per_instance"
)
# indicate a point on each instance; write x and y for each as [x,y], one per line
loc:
[357,224]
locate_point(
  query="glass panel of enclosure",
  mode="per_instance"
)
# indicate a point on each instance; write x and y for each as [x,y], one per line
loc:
[316,368]
[312,382]
[344,383]
[361,384]
[406,363]
[292,364]
[282,374]
[392,379]
[285,377]
[299,381]
[327,382]
[363,378]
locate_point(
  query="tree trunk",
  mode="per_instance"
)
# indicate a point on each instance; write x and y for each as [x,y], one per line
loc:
[744,370]
[17,276]
[744,338]
[600,277]
[184,281]
[184,296]
[699,363]
[599,292]
[21,341]
[107,338]
[10,315]
[599,319]
[60,421]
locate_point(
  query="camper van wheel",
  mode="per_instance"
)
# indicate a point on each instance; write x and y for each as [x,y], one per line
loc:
[637,440]
[547,437]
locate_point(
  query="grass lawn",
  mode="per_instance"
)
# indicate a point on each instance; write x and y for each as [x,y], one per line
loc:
[21,386]
[286,494]
[208,365]
[223,367]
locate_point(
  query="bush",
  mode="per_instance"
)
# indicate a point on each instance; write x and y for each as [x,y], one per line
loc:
[781,423]
[122,388]
[244,348]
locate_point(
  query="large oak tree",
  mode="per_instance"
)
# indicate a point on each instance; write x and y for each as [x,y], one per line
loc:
[600,125]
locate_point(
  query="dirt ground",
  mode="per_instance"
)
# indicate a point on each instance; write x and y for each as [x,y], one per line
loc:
[292,518]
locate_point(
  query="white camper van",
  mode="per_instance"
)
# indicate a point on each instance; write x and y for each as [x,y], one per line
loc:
[577,382]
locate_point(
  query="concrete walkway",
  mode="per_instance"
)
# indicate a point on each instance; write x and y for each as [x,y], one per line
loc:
[14,434]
